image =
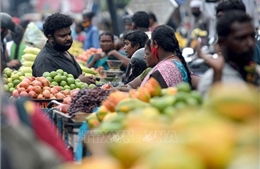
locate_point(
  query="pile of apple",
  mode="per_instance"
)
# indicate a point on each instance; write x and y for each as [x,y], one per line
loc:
[39,88]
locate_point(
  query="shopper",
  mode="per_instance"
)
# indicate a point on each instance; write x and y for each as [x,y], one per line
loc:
[172,68]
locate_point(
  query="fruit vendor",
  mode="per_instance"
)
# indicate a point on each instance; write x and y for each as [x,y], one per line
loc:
[106,41]
[6,25]
[54,55]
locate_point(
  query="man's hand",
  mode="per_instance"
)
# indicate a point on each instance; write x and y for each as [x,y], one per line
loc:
[13,63]
[87,79]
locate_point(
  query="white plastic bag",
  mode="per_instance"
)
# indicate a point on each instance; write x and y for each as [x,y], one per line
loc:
[33,36]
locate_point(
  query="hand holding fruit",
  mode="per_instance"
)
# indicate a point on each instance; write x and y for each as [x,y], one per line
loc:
[87,79]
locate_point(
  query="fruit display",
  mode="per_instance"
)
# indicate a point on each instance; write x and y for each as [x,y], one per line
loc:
[11,79]
[176,128]
[83,58]
[28,58]
[87,99]
[76,48]
[39,88]
[64,80]
[88,71]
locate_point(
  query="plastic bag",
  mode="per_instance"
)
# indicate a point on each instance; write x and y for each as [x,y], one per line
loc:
[33,36]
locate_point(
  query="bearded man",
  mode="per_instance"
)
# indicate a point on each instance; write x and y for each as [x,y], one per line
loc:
[54,55]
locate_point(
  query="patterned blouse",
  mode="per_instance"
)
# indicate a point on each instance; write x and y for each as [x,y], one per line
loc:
[169,73]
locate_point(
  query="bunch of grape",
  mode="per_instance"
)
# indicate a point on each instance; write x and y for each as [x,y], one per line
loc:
[87,99]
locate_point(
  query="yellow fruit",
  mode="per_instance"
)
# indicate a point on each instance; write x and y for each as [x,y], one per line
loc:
[31,50]
[27,63]
[26,69]
[29,57]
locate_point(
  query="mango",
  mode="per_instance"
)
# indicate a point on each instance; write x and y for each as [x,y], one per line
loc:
[143,94]
[153,87]
[162,102]
[92,121]
[130,104]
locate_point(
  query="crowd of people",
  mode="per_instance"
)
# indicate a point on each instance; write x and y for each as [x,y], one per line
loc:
[147,49]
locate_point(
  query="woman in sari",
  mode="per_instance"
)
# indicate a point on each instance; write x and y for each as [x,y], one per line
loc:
[172,68]
[106,41]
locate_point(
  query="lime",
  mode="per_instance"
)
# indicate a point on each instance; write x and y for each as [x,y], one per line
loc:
[8,72]
[66,87]
[54,84]
[78,84]
[20,74]
[11,89]
[57,78]
[77,80]
[5,80]
[14,76]
[91,86]
[65,74]
[53,74]
[46,74]
[63,83]
[59,71]
[184,87]
[5,76]
[61,88]
[10,85]
[6,88]
[70,75]
[9,79]
[70,80]
[16,82]
[64,78]
[72,86]
[49,79]
[21,78]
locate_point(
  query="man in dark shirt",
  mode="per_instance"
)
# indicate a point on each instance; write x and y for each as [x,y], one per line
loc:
[54,55]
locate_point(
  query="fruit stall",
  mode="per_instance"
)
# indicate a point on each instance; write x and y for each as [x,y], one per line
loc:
[146,128]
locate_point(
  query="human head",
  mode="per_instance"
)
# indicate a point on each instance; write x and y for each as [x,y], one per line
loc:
[128,23]
[151,60]
[57,29]
[87,18]
[236,37]
[79,28]
[152,18]
[18,34]
[140,21]
[164,40]
[6,24]
[106,41]
[227,5]
[134,40]
[196,7]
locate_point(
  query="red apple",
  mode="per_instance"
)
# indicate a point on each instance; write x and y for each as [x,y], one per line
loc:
[32,94]
[21,89]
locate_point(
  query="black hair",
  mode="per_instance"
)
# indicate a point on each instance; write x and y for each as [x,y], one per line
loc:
[88,14]
[165,37]
[55,22]
[226,5]
[108,34]
[141,19]
[148,44]
[224,22]
[152,16]
[136,37]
